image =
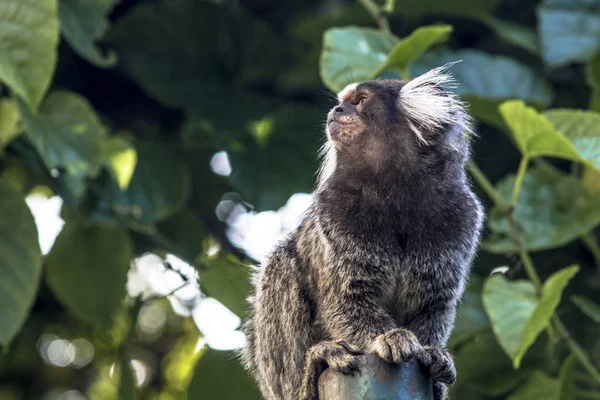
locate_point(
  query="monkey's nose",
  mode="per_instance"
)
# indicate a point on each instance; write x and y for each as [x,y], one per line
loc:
[339,109]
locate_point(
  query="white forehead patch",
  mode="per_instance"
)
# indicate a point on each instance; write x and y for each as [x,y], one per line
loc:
[428,108]
[347,92]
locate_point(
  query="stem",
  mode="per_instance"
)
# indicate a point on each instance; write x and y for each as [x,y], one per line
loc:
[591,243]
[530,269]
[377,14]
[577,351]
[519,180]
[486,185]
[389,6]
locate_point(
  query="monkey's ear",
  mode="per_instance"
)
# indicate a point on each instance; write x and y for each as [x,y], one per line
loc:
[429,107]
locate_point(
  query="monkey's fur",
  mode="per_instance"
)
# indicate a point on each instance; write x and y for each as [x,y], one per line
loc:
[382,256]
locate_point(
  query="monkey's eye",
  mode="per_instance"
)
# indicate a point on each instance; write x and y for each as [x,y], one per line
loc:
[360,99]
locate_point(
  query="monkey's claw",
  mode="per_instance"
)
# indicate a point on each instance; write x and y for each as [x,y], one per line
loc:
[397,346]
[440,364]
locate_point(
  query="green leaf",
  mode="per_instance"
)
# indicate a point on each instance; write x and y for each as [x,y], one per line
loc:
[509,305]
[409,49]
[353,54]
[90,259]
[186,231]
[458,8]
[592,74]
[9,122]
[553,209]
[569,30]
[120,158]
[28,45]
[534,134]
[588,307]
[485,81]
[159,187]
[518,316]
[582,128]
[550,298]
[482,364]
[219,375]
[518,35]
[228,280]
[66,132]
[82,23]
[471,317]
[567,385]
[20,262]
[538,387]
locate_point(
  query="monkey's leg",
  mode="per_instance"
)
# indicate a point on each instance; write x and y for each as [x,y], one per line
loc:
[282,327]
[338,355]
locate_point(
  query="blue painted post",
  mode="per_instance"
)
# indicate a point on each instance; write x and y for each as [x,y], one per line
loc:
[378,380]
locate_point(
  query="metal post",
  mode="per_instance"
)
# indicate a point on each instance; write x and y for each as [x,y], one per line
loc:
[377,380]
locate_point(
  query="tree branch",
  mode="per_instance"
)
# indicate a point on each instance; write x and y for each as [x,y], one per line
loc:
[377,13]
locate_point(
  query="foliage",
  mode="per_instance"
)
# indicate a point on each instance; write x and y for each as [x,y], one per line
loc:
[122,118]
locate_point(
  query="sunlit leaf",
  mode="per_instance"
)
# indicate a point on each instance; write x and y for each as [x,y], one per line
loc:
[485,80]
[569,30]
[82,23]
[120,158]
[66,132]
[20,262]
[538,387]
[28,43]
[9,122]
[219,375]
[410,48]
[582,128]
[471,317]
[518,316]
[90,259]
[353,54]
[534,134]
[226,279]
[553,209]
[588,307]
[159,187]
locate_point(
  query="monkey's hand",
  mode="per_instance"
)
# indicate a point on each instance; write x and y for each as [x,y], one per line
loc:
[439,363]
[338,355]
[397,346]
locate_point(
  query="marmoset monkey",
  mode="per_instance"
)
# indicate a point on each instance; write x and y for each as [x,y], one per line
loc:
[382,256]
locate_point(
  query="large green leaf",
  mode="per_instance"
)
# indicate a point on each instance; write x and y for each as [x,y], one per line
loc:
[353,54]
[538,387]
[82,23]
[410,48]
[219,375]
[485,80]
[159,187]
[582,128]
[66,132]
[534,134]
[553,209]
[482,364]
[87,269]
[588,307]
[20,262]
[228,280]
[518,316]
[471,317]
[569,30]
[28,43]
[459,8]
[9,122]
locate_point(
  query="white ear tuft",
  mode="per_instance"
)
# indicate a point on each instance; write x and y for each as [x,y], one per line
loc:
[428,107]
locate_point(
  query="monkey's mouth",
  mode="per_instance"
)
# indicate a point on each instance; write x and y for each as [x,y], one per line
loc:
[336,121]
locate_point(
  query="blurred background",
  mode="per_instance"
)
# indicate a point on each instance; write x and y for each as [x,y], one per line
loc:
[153,151]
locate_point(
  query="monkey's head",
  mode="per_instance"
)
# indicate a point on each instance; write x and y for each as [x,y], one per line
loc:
[381,126]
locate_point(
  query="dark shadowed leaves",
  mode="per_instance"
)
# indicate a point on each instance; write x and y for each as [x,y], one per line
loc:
[471,317]
[90,259]
[82,23]
[588,307]
[20,262]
